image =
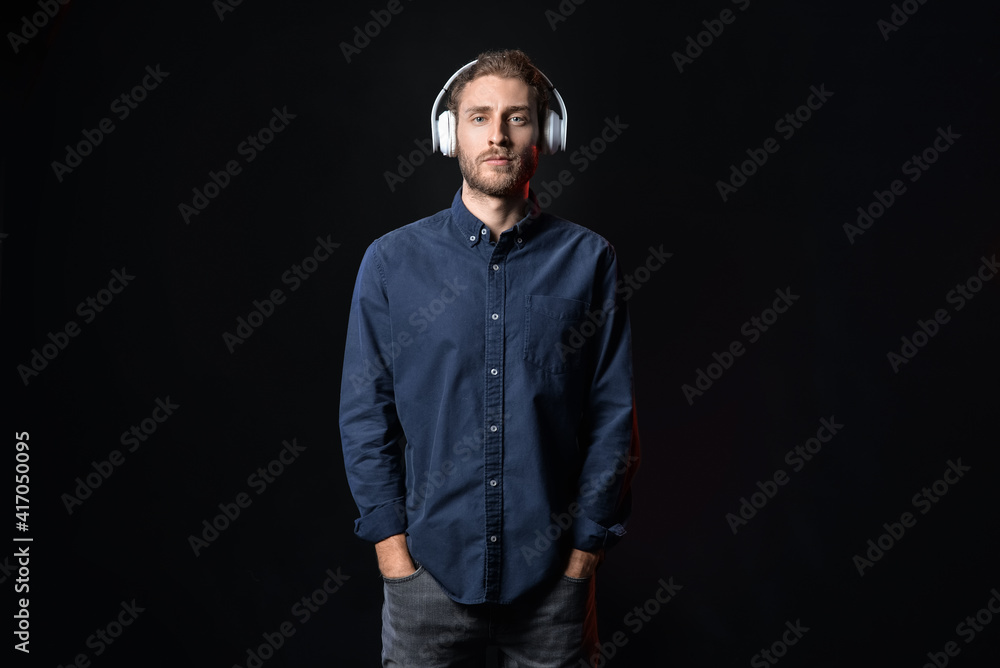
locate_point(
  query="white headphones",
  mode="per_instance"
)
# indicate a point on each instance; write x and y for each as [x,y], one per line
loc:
[443,127]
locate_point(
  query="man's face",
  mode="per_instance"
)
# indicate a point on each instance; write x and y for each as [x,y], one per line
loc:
[497,135]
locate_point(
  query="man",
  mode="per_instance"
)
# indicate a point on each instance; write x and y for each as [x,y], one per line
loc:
[487,414]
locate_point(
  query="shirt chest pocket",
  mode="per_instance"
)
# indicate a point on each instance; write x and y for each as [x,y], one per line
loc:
[552,337]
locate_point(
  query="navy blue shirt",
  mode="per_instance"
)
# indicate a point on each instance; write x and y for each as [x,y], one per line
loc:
[486,406]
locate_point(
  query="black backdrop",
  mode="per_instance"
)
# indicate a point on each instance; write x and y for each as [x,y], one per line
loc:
[170,283]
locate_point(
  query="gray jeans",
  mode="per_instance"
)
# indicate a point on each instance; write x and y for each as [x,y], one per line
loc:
[422,627]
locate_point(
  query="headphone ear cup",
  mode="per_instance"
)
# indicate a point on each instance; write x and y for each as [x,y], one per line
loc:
[446,133]
[553,133]
[453,129]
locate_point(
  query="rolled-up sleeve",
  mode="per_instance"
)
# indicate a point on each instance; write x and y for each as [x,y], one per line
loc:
[369,425]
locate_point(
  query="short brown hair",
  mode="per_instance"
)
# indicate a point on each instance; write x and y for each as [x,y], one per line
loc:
[507,64]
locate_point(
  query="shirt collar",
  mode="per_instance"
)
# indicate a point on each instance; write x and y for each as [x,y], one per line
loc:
[474,230]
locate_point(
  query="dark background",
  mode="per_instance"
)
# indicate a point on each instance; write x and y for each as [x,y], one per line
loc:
[324,176]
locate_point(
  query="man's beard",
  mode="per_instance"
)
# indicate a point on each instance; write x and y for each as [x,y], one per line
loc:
[498,180]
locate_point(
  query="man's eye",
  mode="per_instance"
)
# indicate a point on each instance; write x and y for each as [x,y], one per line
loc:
[517,119]
[478,119]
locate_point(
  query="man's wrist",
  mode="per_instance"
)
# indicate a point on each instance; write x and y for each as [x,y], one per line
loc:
[394,560]
[582,564]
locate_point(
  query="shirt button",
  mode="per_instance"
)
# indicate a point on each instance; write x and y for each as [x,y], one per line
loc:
[493,371]
[483,231]
[519,240]
[493,539]
[493,427]
[495,316]
[496,267]
[472,238]
[493,483]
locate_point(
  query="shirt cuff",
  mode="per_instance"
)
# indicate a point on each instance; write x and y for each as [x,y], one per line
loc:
[590,536]
[384,521]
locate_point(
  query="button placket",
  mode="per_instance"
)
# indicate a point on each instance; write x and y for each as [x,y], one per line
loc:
[494,395]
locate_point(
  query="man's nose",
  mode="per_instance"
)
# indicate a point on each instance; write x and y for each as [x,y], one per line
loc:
[498,133]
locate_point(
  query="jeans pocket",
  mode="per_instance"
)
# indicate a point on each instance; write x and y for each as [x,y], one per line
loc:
[405,578]
[552,337]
